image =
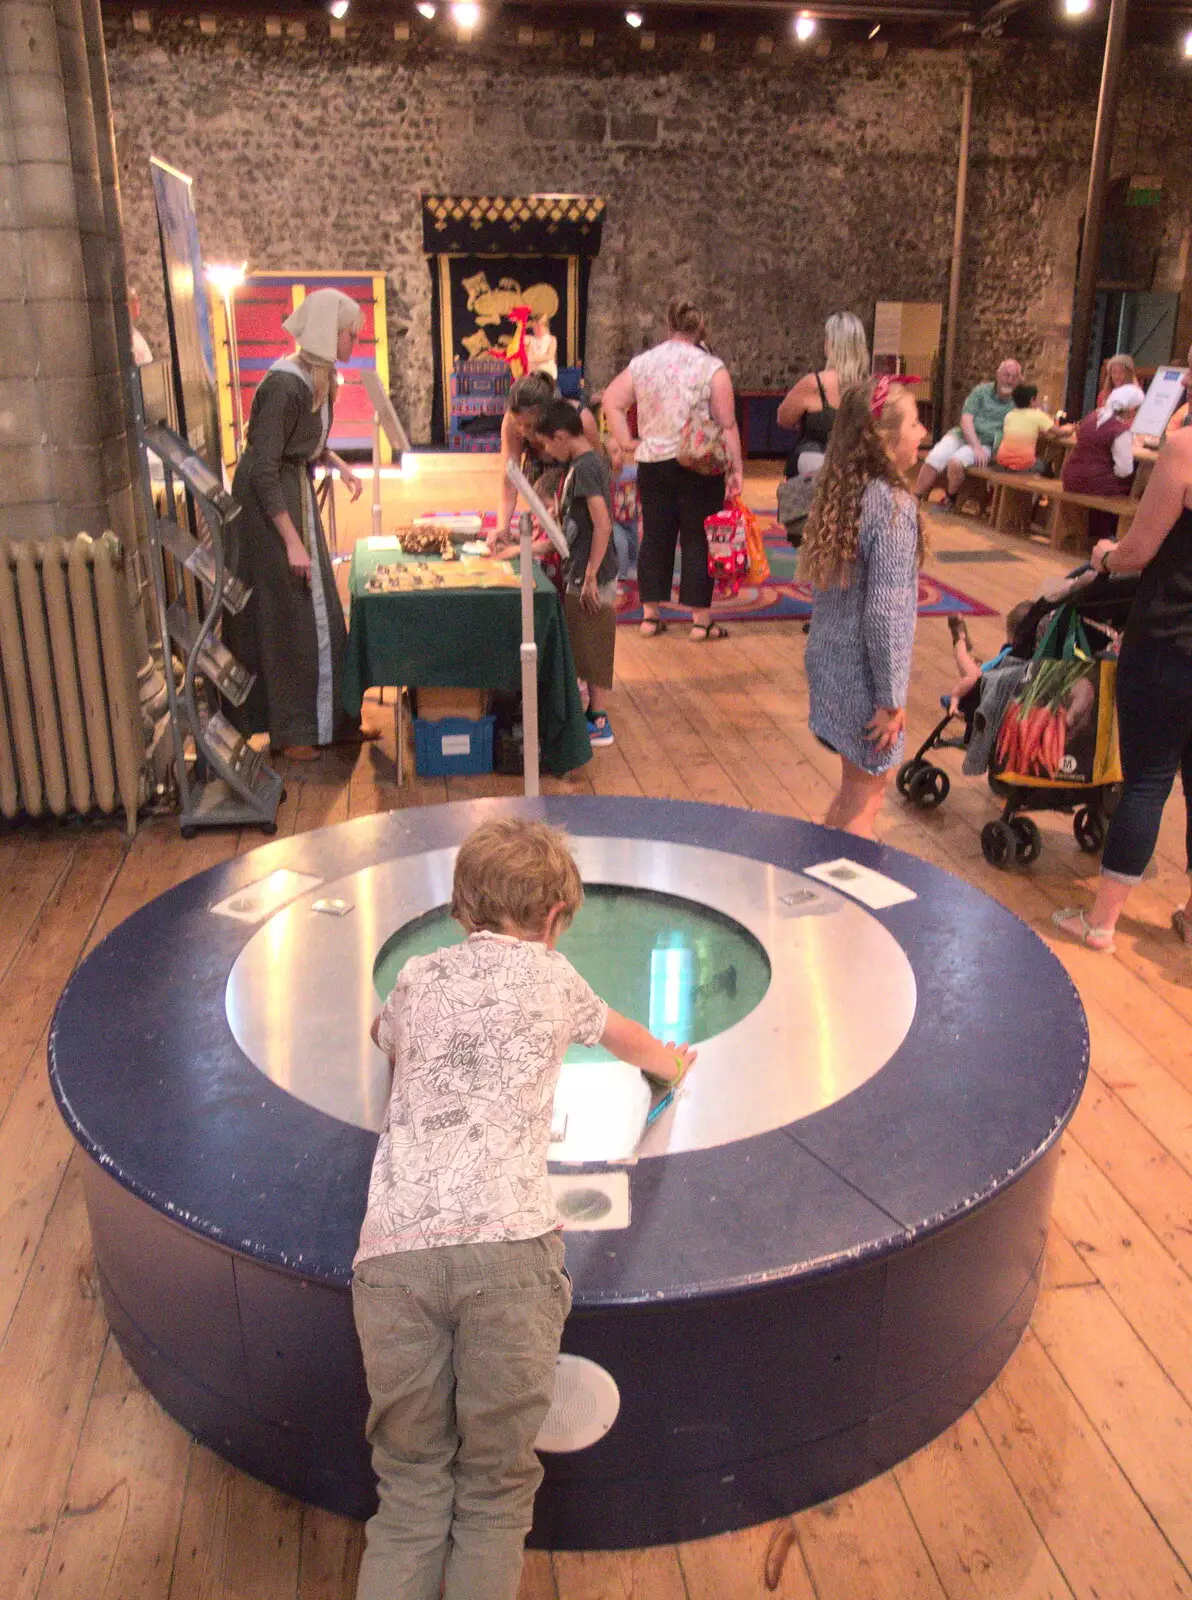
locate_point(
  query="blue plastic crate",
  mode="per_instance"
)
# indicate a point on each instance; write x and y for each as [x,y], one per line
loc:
[453,746]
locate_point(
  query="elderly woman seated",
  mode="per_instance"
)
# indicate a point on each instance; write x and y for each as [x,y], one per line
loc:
[1102,459]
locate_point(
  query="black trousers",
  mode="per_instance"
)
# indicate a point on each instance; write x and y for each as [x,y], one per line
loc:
[674,502]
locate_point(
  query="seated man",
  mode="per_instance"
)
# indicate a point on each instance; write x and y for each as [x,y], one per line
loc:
[972,443]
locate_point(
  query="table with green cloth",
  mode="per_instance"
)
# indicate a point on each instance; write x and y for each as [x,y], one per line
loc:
[468,639]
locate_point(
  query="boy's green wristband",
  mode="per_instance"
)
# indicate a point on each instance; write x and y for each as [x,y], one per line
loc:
[657,1082]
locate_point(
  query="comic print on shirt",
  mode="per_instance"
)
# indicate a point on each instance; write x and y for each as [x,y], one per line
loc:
[478,1032]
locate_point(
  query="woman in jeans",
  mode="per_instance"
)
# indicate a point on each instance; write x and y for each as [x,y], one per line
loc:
[1154,692]
[667,384]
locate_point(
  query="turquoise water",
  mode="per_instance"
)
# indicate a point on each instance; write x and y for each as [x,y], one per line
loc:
[683,971]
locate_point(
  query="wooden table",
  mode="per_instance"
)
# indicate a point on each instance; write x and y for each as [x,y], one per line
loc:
[464,638]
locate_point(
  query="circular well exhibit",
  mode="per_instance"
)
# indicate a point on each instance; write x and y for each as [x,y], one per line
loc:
[812,1262]
[742,958]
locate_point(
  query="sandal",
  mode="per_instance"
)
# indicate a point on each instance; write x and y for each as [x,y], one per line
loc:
[1088,935]
[705,632]
[652,627]
[959,630]
[1182,924]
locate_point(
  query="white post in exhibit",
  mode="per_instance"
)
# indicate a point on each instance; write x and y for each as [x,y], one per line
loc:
[376,483]
[384,416]
[529,645]
[529,658]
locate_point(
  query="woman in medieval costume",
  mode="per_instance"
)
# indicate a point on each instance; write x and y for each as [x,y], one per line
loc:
[292,632]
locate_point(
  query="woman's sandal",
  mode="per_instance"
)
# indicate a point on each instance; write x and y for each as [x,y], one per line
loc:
[652,627]
[1098,939]
[705,632]
[1182,924]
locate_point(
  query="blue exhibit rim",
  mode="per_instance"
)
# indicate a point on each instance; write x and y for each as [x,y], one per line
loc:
[986,1071]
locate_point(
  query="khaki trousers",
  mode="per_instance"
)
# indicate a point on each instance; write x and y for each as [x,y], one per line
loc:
[459,1350]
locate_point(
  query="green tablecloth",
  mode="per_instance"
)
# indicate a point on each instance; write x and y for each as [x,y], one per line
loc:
[465,638]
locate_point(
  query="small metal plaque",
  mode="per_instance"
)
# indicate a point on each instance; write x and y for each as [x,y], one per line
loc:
[332,908]
[256,901]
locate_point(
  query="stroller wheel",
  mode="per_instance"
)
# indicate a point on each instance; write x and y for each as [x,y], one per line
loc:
[929,788]
[906,773]
[998,844]
[1028,840]
[1090,829]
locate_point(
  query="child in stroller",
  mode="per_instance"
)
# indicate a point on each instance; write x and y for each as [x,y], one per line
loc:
[983,693]
[966,695]
[924,784]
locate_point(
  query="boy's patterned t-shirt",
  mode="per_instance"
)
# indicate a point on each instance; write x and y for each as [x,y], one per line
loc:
[478,1032]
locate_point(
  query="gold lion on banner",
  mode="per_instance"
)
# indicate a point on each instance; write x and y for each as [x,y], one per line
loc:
[490,307]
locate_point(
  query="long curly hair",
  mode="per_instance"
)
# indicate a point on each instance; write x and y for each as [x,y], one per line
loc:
[858,453]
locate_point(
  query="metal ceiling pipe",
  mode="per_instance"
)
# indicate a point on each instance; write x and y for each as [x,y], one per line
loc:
[1094,210]
[958,228]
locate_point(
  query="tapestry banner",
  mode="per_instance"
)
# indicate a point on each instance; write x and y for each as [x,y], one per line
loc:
[489,253]
[472,296]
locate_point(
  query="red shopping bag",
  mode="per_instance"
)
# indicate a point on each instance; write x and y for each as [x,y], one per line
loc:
[736,550]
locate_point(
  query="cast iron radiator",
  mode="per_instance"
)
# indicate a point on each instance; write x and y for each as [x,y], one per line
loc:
[72,736]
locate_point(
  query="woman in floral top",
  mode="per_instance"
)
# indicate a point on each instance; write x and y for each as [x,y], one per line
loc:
[667,384]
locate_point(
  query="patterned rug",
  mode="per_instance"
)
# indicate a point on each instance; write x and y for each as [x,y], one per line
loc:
[782,599]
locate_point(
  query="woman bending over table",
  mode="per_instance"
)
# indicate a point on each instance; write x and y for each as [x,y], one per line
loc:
[527,397]
[1154,693]
[861,552]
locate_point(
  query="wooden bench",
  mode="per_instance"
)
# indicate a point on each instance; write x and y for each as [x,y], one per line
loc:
[1014,496]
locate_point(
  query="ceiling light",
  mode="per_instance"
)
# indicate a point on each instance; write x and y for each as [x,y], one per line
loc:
[427,10]
[465,15]
[1077,8]
[875,30]
[339,9]
[1188,44]
[804,26]
[634,19]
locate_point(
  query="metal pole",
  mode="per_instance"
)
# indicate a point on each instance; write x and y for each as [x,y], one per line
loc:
[962,166]
[229,296]
[376,483]
[1094,210]
[529,660]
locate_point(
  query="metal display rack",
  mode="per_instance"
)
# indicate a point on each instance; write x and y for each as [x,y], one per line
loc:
[227,783]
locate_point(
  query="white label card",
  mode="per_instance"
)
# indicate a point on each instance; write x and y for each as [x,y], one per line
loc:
[457,744]
[872,889]
[1166,391]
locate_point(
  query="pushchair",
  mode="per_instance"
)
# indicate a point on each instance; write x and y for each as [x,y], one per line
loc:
[1014,837]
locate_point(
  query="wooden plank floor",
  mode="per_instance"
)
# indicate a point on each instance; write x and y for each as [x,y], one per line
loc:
[1071,1477]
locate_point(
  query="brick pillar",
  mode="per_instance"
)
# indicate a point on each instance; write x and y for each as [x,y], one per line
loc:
[64,458]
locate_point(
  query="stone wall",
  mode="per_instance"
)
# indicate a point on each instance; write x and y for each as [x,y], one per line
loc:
[773,190]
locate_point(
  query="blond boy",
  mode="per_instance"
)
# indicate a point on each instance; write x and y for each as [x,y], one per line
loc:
[459,1287]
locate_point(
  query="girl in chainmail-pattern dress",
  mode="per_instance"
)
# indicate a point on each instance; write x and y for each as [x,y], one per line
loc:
[861,553]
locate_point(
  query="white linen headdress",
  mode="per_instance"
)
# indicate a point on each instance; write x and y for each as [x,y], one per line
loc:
[317,322]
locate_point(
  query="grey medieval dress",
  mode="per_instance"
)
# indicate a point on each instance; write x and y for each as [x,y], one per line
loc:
[291,634]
